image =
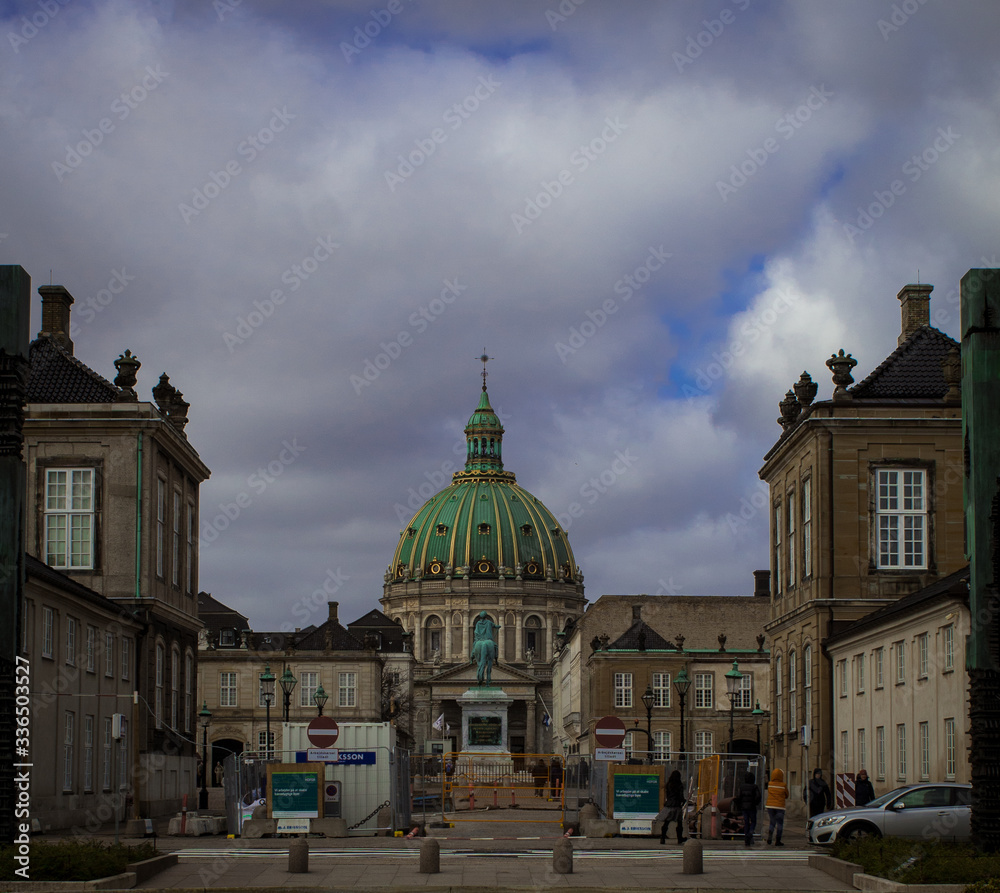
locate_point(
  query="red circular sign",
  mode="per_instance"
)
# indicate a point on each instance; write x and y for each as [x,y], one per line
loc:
[323,732]
[610,732]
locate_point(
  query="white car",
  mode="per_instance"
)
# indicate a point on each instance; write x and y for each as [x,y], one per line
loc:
[921,811]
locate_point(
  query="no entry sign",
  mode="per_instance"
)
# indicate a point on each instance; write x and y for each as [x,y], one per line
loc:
[323,732]
[610,732]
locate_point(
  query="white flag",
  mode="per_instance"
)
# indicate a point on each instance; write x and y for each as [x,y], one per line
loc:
[447,729]
[439,722]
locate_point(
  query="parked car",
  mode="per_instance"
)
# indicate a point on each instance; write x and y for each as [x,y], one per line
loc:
[923,811]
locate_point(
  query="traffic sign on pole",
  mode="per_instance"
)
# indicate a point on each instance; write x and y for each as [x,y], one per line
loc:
[609,731]
[323,732]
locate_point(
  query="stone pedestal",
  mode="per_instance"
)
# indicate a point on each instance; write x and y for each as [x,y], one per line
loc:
[484,720]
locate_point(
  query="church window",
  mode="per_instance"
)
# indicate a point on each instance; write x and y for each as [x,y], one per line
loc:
[526,530]
[441,530]
[484,529]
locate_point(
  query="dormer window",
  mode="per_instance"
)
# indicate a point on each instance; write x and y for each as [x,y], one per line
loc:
[526,530]
[411,532]
[227,637]
[484,529]
[441,530]
[556,532]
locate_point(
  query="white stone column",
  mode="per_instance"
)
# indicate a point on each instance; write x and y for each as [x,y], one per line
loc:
[518,636]
[447,655]
[501,635]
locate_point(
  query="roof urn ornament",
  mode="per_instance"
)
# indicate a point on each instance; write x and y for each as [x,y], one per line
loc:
[805,389]
[951,369]
[841,364]
[722,641]
[127,366]
[790,409]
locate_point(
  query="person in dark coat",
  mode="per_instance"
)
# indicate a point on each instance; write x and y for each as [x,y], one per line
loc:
[539,774]
[818,794]
[864,793]
[673,807]
[555,777]
[749,800]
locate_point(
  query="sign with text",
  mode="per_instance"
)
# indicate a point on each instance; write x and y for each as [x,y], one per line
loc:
[635,826]
[610,754]
[337,756]
[635,792]
[295,790]
[485,731]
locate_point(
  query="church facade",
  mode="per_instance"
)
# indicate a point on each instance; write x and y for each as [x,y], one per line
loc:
[483,544]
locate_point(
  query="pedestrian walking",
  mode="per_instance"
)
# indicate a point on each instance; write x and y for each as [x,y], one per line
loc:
[540,774]
[749,797]
[818,794]
[777,794]
[864,793]
[673,807]
[555,777]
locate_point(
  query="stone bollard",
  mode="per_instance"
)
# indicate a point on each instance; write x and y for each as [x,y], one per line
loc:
[588,813]
[430,856]
[562,856]
[692,857]
[298,856]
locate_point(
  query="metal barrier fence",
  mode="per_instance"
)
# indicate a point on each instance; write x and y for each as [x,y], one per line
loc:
[371,797]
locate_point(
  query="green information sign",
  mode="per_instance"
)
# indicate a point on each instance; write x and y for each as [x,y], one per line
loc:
[485,731]
[294,790]
[637,795]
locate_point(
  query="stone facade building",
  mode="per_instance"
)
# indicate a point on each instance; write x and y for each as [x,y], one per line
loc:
[112,495]
[865,508]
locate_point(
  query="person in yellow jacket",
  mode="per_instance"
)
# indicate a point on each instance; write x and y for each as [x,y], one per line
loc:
[777,794]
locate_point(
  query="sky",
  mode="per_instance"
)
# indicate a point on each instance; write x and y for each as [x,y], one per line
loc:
[315,217]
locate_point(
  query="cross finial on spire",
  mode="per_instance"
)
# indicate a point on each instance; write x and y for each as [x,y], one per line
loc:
[484,359]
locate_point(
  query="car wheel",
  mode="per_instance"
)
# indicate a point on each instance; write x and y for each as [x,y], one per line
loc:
[858,831]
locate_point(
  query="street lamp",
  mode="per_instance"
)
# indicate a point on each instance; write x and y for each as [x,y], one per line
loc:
[758,718]
[682,683]
[206,718]
[648,698]
[288,683]
[733,679]
[320,698]
[267,693]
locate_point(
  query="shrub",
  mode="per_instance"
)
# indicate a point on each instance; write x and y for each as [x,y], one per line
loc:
[72,860]
[923,862]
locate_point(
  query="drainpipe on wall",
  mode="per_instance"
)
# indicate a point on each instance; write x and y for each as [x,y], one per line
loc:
[138,516]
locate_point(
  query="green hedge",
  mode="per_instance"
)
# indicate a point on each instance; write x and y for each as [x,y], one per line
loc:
[74,860]
[922,862]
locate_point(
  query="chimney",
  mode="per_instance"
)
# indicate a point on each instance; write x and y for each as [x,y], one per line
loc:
[56,301]
[333,611]
[762,584]
[915,308]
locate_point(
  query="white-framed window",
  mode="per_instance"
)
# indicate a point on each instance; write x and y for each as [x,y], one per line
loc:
[308,683]
[859,669]
[71,641]
[88,753]
[623,689]
[949,747]
[924,732]
[807,686]
[227,637]
[879,660]
[48,632]
[106,779]
[744,694]
[880,752]
[69,518]
[175,686]
[923,655]
[348,688]
[189,563]
[265,745]
[109,654]
[900,649]
[842,678]
[227,690]
[69,734]
[661,747]
[91,649]
[777,549]
[842,757]
[779,694]
[703,745]
[949,648]
[790,545]
[661,689]
[175,556]
[862,748]
[126,658]
[704,688]
[188,690]
[628,745]
[807,528]
[161,523]
[158,709]
[901,751]
[793,692]
[901,518]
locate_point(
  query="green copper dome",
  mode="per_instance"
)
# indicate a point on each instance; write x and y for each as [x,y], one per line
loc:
[484,524]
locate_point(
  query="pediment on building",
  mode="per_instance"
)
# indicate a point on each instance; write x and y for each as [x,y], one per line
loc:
[465,674]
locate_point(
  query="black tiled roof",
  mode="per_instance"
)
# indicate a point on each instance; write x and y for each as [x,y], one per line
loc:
[341,639]
[56,376]
[911,371]
[651,640]
[374,619]
[219,616]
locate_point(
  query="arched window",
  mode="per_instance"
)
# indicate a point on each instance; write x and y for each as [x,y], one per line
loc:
[432,636]
[534,638]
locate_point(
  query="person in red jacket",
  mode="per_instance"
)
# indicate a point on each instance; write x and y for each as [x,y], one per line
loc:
[777,794]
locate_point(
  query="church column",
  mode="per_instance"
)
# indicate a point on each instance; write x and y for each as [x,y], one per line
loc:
[501,636]
[530,744]
[518,640]
[447,637]
[418,638]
